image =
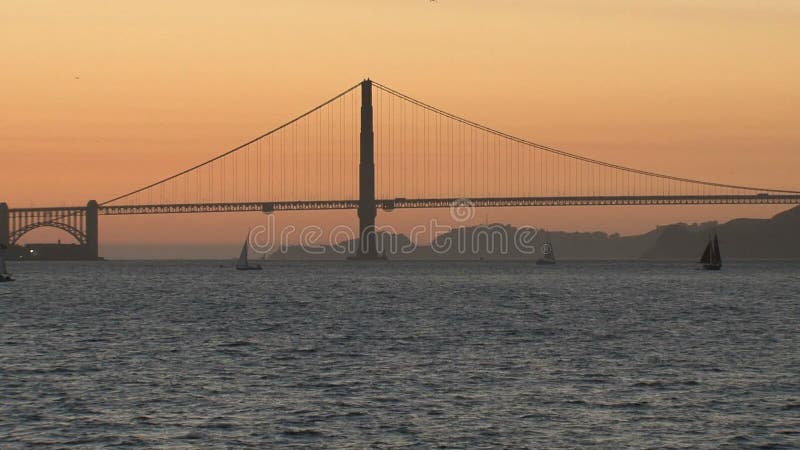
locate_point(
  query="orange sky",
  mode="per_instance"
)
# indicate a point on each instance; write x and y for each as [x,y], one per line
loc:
[700,89]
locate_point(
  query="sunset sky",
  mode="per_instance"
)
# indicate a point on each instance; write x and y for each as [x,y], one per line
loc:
[99,97]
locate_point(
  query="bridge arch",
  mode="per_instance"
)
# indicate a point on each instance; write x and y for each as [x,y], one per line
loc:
[17,234]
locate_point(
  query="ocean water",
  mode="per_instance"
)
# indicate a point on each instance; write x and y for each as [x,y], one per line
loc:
[400,354]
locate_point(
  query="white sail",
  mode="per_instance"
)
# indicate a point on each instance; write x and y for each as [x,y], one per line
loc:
[242,263]
[547,250]
[548,256]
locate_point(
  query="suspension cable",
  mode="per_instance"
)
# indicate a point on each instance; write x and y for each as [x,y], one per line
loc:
[567,154]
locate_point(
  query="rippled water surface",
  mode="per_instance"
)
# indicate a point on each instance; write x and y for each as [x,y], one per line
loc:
[391,354]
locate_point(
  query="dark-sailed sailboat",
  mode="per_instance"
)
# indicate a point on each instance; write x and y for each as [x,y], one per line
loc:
[711,259]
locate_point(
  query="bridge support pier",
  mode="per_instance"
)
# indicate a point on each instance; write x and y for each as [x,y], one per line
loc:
[5,225]
[92,232]
[367,210]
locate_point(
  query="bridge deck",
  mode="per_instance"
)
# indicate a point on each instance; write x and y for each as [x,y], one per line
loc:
[399,203]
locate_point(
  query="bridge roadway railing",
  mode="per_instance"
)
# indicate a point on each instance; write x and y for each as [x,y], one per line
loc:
[115,210]
[398,203]
[595,201]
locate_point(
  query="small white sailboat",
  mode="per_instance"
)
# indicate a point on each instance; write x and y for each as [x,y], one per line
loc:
[548,255]
[4,275]
[242,263]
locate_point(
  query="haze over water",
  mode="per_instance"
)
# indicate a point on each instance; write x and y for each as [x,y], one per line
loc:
[456,355]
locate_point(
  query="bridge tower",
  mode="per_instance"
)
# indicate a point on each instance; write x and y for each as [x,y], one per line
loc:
[5,225]
[367,210]
[92,232]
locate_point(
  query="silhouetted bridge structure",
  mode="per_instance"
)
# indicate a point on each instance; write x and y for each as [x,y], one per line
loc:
[372,148]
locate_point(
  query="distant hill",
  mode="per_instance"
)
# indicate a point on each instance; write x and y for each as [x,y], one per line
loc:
[775,238]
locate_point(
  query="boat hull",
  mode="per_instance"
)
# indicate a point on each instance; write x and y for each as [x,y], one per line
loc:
[381,257]
[545,262]
[712,266]
[257,267]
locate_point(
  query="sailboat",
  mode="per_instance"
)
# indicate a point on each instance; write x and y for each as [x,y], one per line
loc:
[4,275]
[548,255]
[711,259]
[242,263]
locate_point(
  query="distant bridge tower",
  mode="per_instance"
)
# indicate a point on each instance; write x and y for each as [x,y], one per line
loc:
[92,230]
[367,209]
[5,225]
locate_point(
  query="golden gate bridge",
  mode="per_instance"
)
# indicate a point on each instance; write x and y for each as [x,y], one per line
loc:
[372,147]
